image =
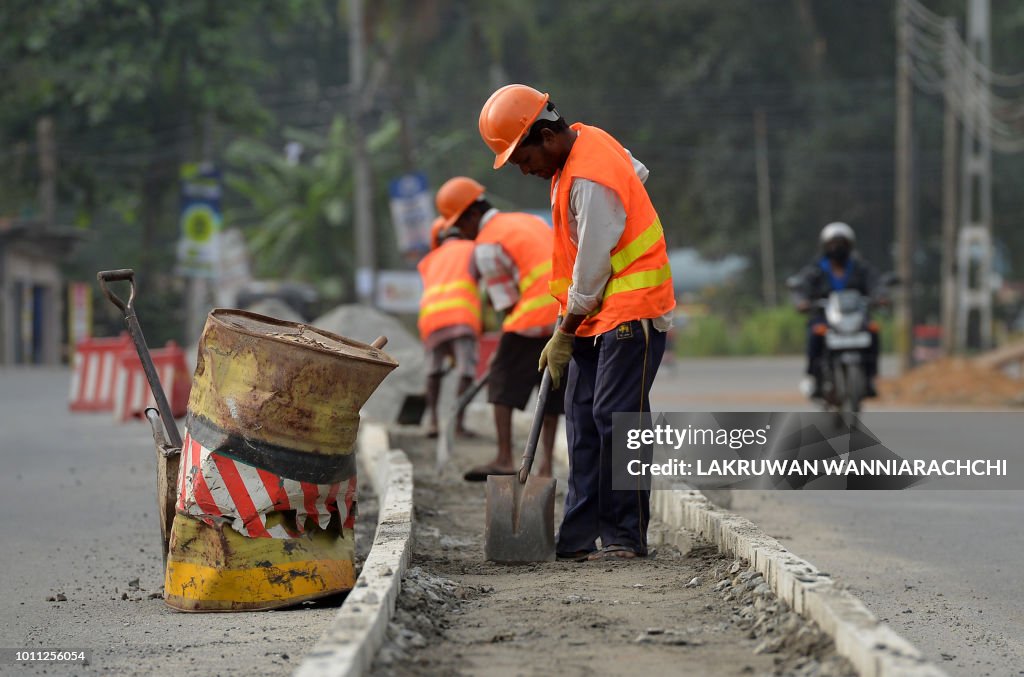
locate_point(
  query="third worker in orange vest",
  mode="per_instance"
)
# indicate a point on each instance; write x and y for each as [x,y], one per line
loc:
[611,276]
[513,261]
[449,320]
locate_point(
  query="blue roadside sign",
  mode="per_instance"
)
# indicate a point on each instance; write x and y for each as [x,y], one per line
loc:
[201,221]
[412,211]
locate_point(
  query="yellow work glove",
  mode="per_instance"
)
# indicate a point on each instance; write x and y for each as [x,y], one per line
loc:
[556,355]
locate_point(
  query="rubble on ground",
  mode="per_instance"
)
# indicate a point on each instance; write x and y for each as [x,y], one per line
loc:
[366,508]
[954,381]
[801,647]
[425,602]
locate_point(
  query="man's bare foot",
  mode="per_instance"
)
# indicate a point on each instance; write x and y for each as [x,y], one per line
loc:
[466,433]
[480,472]
[544,470]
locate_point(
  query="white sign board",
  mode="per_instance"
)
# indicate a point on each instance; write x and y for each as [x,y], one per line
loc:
[399,291]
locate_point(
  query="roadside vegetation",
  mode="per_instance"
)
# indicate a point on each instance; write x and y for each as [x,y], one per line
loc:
[765,331]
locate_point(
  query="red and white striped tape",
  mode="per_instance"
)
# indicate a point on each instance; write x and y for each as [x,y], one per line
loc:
[213,487]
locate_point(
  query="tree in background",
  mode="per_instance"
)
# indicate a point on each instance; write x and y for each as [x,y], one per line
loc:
[135,87]
[297,212]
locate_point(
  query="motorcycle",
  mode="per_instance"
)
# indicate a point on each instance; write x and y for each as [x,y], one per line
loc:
[848,340]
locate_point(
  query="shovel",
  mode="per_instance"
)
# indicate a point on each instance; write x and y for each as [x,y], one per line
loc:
[166,436]
[447,433]
[520,517]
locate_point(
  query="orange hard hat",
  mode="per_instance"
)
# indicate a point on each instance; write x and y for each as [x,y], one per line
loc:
[455,196]
[435,231]
[506,118]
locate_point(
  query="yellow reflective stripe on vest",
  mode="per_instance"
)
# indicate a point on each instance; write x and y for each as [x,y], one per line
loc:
[624,258]
[559,286]
[448,304]
[645,279]
[532,304]
[532,276]
[641,280]
[465,285]
[635,249]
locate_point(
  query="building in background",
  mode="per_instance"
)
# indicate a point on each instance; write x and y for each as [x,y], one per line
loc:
[32,294]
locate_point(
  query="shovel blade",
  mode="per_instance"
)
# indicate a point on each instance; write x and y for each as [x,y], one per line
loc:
[412,410]
[520,519]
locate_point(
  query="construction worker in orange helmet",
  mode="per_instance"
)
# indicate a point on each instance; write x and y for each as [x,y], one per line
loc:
[513,262]
[611,276]
[449,320]
[435,230]
[455,196]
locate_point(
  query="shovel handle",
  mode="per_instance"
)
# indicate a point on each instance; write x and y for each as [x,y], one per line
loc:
[538,419]
[121,275]
[538,422]
[135,331]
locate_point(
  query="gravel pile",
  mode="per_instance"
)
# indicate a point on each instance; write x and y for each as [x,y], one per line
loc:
[363,323]
[800,647]
[275,308]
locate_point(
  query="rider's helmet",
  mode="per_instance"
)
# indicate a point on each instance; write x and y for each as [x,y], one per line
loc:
[837,241]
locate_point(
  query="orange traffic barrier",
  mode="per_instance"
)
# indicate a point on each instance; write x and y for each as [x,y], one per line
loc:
[132,394]
[92,378]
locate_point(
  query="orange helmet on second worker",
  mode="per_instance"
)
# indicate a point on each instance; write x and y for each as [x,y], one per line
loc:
[455,196]
[506,118]
[435,232]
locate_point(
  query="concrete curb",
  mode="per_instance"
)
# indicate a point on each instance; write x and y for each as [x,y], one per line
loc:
[349,644]
[874,649]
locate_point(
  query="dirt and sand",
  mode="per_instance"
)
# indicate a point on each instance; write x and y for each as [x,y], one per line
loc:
[678,612]
[954,381]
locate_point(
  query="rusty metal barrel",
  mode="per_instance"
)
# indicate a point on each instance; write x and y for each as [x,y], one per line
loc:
[266,492]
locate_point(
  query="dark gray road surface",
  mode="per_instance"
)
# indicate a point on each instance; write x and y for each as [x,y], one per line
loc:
[944,568]
[77,500]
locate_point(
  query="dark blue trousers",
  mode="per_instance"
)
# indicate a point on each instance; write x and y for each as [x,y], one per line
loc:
[612,374]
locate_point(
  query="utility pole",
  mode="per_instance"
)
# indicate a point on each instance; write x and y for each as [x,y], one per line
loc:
[949,195]
[764,211]
[975,239]
[366,254]
[47,142]
[197,298]
[904,173]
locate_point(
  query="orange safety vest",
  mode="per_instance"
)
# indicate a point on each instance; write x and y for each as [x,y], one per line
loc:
[640,285]
[450,294]
[528,242]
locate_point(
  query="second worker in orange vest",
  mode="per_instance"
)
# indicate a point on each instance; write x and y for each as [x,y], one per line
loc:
[611,276]
[513,262]
[449,320]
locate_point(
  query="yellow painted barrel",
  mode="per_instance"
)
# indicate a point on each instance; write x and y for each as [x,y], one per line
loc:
[266,493]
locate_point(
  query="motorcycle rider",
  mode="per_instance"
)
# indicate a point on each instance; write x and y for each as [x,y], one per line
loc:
[839,267]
